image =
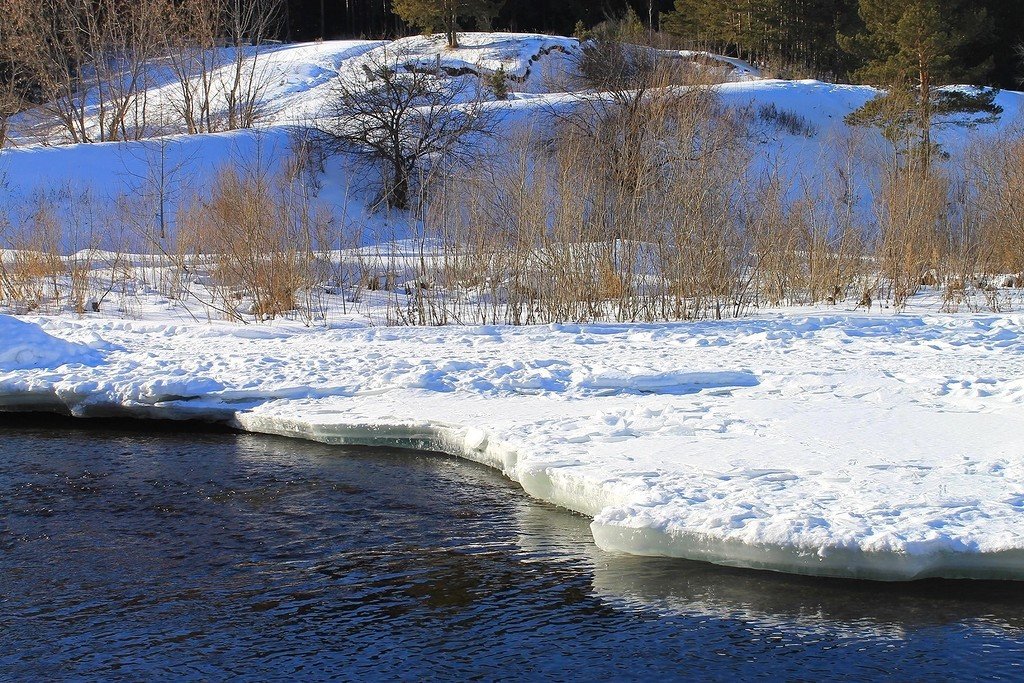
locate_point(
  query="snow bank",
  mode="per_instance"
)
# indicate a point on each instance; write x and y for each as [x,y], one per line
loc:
[737,69]
[839,444]
[24,346]
[528,59]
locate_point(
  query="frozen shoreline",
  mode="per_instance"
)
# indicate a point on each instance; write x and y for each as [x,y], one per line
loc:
[835,444]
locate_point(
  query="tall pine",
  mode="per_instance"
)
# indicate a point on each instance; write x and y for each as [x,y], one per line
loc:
[775,32]
[910,49]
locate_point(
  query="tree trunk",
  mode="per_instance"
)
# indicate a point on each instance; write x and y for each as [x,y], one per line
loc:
[451,24]
[400,191]
[926,112]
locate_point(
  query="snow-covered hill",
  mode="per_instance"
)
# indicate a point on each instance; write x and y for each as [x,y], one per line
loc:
[292,82]
[295,85]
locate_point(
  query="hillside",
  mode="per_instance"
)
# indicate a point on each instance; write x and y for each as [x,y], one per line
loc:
[295,85]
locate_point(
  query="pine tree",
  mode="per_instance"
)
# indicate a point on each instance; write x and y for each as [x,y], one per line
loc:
[445,15]
[912,48]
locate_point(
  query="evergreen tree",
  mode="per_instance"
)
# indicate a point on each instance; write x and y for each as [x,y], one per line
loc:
[910,49]
[1002,43]
[445,15]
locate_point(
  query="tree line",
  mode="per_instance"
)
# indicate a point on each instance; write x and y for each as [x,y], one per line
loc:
[796,37]
[312,19]
[818,36]
[55,52]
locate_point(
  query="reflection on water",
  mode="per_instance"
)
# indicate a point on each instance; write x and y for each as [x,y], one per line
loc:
[138,555]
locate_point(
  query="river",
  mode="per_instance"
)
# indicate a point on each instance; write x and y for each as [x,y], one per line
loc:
[152,553]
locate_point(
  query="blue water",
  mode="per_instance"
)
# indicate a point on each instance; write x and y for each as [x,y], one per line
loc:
[141,555]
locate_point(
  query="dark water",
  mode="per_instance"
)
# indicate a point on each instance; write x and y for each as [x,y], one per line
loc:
[210,556]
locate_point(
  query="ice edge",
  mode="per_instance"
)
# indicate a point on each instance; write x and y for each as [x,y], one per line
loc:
[577,495]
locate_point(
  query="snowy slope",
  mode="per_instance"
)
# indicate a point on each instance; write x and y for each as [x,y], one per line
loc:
[294,80]
[298,80]
[858,445]
[288,78]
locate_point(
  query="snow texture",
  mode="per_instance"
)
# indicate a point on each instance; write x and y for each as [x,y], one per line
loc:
[24,346]
[838,444]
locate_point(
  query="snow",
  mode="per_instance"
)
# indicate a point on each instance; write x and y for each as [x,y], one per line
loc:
[290,78]
[822,442]
[25,346]
[817,442]
[529,59]
[296,81]
[739,70]
[110,171]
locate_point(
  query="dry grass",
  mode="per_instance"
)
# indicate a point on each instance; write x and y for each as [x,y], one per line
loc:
[260,233]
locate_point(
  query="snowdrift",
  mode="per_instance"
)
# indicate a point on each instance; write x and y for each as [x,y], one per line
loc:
[24,346]
[847,445]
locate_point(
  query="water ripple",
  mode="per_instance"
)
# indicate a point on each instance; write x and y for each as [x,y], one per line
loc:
[204,556]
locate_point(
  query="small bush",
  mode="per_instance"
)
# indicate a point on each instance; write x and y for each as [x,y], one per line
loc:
[497,83]
[786,120]
[261,239]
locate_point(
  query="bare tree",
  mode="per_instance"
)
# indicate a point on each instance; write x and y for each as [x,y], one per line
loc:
[88,59]
[12,94]
[91,59]
[190,46]
[247,23]
[404,120]
[194,42]
[632,98]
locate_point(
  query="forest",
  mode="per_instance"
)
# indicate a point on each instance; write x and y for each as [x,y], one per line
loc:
[797,37]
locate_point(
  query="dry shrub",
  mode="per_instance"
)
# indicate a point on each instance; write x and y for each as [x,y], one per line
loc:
[911,218]
[808,248]
[261,239]
[997,172]
[33,267]
[37,273]
[628,212]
